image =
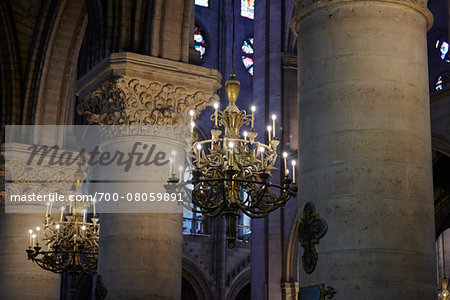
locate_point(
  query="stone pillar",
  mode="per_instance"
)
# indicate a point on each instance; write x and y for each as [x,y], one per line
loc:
[140,254]
[365,153]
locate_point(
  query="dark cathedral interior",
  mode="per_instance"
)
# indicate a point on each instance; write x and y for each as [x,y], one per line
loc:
[318,164]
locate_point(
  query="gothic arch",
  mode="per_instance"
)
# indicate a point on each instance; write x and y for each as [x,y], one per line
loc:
[239,282]
[55,100]
[197,278]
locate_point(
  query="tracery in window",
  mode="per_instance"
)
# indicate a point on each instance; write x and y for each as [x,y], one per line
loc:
[247,55]
[248,9]
[203,3]
[443,48]
[442,81]
[199,41]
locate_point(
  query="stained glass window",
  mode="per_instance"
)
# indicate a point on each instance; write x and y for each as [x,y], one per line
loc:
[442,81]
[199,41]
[203,3]
[248,9]
[443,48]
[247,54]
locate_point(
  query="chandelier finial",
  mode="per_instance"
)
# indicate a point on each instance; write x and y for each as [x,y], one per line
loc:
[232,87]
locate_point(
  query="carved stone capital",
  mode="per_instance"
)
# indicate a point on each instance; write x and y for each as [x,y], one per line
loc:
[303,8]
[133,89]
[124,100]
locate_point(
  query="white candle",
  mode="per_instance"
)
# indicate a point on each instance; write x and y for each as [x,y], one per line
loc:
[261,149]
[170,167]
[285,155]
[50,209]
[84,215]
[192,127]
[31,234]
[191,113]
[245,135]
[46,212]
[293,170]
[34,239]
[269,129]
[216,107]
[62,213]
[38,229]
[253,108]
[174,153]
[274,117]
[180,168]
[93,205]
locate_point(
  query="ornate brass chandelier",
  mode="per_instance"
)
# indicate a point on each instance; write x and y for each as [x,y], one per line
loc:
[71,242]
[230,172]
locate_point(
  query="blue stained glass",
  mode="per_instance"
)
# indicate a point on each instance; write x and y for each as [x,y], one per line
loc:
[439,84]
[443,47]
[248,9]
[247,52]
[199,38]
[247,48]
[200,49]
[203,3]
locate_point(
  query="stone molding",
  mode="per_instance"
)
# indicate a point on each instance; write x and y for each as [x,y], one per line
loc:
[303,8]
[133,89]
[132,101]
[289,60]
[289,290]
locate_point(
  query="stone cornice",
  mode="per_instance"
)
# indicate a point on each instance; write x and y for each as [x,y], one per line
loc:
[150,68]
[133,89]
[303,8]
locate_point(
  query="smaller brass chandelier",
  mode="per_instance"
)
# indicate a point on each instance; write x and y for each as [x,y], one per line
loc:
[231,172]
[69,242]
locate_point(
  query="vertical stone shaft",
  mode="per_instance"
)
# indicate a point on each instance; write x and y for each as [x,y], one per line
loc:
[365,152]
[23,279]
[140,253]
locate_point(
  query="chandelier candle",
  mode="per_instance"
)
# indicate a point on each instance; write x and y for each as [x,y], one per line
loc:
[216,107]
[269,130]
[293,170]
[274,117]
[286,171]
[253,108]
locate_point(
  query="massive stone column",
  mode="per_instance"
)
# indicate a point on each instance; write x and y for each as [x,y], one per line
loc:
[140,254]
[365,153]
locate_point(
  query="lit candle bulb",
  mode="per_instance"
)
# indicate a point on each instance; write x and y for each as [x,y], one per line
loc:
[191,113]
[84,215]
[285,155]
[31,234]
[37,230]
[245,135]
[274,117]
[180,169]
[50,209]
[170,166]
[253,108]
[216,107]
[192,126]
[83,227]
[261,150]
[34,238]
[48,206]
[62,213]
[293,170]
[57,226]
[269,130]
